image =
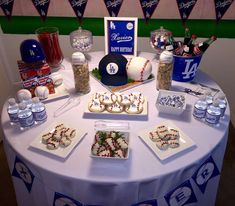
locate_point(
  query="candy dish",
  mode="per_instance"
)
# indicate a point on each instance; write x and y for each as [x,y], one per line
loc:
[170,102]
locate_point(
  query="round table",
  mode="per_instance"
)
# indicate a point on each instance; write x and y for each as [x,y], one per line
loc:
[80,179]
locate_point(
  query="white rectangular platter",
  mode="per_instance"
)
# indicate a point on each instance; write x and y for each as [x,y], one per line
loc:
[123,115]
[185,142]
[60,151]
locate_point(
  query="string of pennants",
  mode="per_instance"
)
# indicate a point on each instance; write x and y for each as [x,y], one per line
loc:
[181,195]
[113,6]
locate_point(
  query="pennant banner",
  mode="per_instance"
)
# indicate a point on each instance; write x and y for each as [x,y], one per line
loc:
[23,172]
[42,7]
[64,200]
[7,6]
[79,7]
[181,195]
[206,171]
[221,6]
[113,6]
[148,7]
[185,7]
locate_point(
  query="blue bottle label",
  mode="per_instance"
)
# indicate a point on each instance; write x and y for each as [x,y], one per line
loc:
[27,121]
[13,117]
[199,113]
[212,119]
[40,116]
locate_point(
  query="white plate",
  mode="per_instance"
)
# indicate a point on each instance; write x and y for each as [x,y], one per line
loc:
[123,114]
[60,151]
[185,142]
[126,136]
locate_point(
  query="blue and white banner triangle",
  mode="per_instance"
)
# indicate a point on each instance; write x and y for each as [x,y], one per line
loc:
[113,6]
[146,203]
[23,172]
[63,200]
[181,195]
[78,7]
[148,8]
[205,172]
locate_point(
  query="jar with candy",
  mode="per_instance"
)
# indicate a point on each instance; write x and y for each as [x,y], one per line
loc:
[48,38]
[81,40]
[165,69]
[81,73]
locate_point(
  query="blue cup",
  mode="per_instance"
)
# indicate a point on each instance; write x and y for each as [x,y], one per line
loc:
[185,68]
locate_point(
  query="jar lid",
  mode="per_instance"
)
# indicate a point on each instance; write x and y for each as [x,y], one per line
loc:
[78,57]
[166,57]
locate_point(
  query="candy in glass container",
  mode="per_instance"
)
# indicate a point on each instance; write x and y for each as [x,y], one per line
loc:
[81,40]
[159,39]
[49,39]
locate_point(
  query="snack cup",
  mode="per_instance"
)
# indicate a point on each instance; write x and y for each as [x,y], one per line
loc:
[185,68]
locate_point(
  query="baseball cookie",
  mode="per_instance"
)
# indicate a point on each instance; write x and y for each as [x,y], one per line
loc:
[138,96]
[115,108]
[22,93]
[139,68]
[108,98]
[124,99]
[96,106]
[135,108]
[161,144]
[41,92]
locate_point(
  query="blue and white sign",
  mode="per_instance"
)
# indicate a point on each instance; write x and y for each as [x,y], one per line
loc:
[63,200]
[23,172]
[121,35]
[206,171]
[181,195]
[147,203]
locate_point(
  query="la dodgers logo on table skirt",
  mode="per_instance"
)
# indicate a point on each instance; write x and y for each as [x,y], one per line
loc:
[146,203]
[205,172]
[23,172]
[181,195]
[63,200]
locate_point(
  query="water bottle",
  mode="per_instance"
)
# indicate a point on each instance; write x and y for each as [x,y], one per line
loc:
[209,98]
[28,101]
[213,113]
[39,111]
[25,116]
[222,103]
[200,108]
[12,111]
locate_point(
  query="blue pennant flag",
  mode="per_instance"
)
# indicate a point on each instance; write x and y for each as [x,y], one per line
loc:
[185,7]
[205,172]
[147,202]
[221,6]
[7,6]
[23,172]
[148,7]
[42,7]
[63,200]
[79,7]
[113,6]
[181,195]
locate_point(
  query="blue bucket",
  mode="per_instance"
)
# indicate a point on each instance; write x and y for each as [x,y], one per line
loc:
[185,68]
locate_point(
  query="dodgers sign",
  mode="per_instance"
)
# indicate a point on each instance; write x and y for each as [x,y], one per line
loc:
[121,36]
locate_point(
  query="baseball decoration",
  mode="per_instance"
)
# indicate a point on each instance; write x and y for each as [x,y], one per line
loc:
[139,68]
[42,92]
[23,94]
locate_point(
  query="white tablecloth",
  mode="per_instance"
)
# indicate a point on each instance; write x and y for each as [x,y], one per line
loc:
[140,178]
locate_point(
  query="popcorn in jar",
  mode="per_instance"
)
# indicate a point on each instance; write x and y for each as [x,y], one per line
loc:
[81,73]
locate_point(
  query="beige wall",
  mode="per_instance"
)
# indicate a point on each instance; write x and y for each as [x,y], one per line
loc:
[167,9]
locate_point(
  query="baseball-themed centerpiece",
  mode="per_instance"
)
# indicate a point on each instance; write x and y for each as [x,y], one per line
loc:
[118,74]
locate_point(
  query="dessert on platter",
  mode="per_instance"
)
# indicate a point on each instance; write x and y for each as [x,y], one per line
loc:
[59,139]
[110,144]
[166,140]
[117,103]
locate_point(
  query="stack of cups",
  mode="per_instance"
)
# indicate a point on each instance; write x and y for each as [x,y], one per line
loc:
[165,69]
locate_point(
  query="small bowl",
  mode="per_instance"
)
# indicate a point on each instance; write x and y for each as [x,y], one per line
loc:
[170,102]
